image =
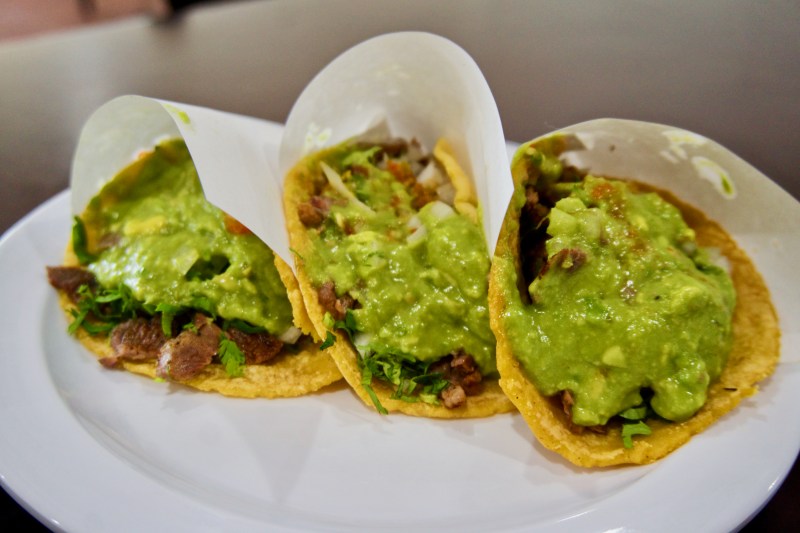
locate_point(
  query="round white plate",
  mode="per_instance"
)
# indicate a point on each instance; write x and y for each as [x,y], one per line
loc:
[90,449]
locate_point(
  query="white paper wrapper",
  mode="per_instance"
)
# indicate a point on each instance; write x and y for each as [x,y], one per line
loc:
[425,87]
[762,217]
[235,156]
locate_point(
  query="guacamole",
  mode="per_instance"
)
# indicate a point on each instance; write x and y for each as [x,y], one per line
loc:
[419,274]
[622,309]
[152,230]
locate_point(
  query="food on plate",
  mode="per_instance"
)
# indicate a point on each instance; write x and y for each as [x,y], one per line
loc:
[160,282]
[393,265]
[626,320]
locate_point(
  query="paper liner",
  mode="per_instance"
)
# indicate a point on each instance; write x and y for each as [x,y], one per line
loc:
[425,87]
[763,218]
[235,156]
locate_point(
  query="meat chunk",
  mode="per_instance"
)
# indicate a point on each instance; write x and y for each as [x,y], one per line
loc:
[70,279]
[314,212]
[464,376]
[569,259]
[138,339]
[464,372]
[186,355]
[453,396]
[336,306]
[533,233]
[257,348]
[309,216]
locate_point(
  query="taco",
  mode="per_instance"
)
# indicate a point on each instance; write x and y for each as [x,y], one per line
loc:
[159,282]
[626,320]
[393,265]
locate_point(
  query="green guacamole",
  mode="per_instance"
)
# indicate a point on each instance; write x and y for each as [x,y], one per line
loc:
[627,301]
[420,276]
[168,245]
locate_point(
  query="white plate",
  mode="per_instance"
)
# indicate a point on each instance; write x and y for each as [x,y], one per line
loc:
[89,449]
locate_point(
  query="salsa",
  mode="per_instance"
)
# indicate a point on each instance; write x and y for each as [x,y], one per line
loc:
[152,230]
[411,261]
[623,309]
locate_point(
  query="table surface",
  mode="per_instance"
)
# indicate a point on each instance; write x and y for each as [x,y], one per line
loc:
[727,70]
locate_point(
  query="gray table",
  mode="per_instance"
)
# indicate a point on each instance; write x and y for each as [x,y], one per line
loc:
[727,70]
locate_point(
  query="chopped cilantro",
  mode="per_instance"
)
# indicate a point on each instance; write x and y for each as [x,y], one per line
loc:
[328,342]
[168,313]
[231,357]
[635,413]
[631,429]
[348,324]
[79,242]
[633,419]
[412,379]
[366,382]
[99,312]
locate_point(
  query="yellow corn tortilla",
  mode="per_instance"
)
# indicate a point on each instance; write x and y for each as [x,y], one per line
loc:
[755,353]
[298,188]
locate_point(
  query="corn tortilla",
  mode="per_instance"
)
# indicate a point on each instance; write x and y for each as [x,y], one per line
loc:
[298,188]
[755,353]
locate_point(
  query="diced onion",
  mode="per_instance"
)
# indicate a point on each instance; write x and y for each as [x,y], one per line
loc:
[362,338]
[418,235]
[413,223]
[291,335]
[440,210]
[336,182]
[716,256]
[430,175]
[447,193]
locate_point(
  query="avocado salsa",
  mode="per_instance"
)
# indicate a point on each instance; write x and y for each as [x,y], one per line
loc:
[411,270]
[618,309]
[152,246]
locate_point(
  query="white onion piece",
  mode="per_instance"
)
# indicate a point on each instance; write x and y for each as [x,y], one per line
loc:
[716,257]
[415,150]
[362,338]
[336,182]
[440,210]
[291,335]
[413,223]
[447,193]
[430,175]
[418,235]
